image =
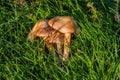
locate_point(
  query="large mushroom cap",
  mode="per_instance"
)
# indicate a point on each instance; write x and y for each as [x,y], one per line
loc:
[64,24]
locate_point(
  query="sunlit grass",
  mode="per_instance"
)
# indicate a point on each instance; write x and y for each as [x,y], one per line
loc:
[94,52]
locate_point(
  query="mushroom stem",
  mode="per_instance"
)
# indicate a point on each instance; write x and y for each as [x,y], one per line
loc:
[49,46]
[67,38]
[59,50]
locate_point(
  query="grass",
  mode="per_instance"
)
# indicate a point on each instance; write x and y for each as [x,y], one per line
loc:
[95,51]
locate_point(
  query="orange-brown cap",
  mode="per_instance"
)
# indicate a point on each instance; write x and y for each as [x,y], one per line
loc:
[39,26]
[63,24]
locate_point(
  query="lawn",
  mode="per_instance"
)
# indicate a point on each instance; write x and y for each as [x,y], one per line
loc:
[94,51]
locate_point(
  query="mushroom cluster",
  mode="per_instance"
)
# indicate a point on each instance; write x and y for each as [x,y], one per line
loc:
[56,31]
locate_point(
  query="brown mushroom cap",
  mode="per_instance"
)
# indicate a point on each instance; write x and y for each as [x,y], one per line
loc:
[38,27]
[64,24]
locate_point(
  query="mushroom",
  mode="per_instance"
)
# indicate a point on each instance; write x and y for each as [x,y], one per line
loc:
[39,30]
[66,26]
[57,31]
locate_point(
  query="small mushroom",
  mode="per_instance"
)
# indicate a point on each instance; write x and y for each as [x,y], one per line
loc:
[38,30]
[57,31]
[66,26]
